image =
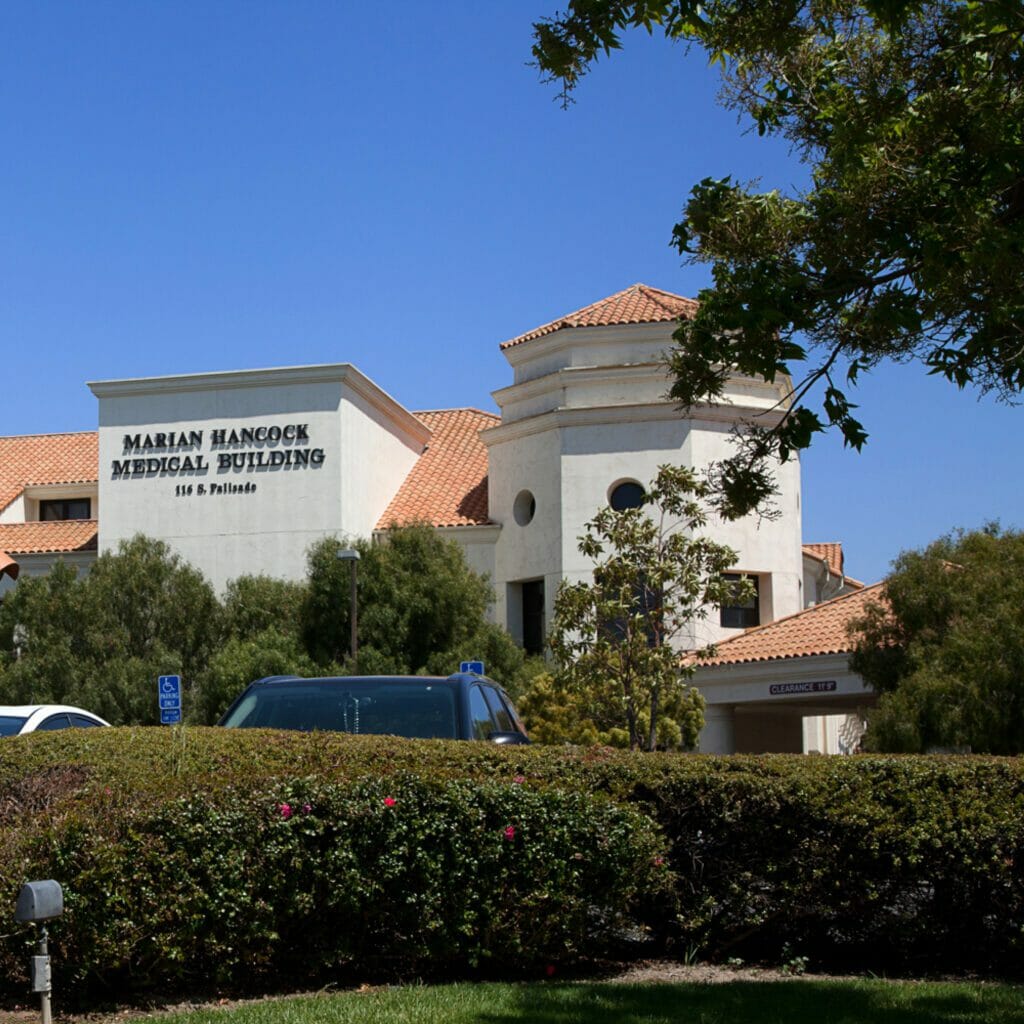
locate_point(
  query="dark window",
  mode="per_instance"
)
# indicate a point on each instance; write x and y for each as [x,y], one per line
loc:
[479,711]
[533,616]
[65,508]
[81,722]
[510,708]
[741,614]
[60,721]
[10,725]
[627,495]
[396,707]
[501,715]
[524,508]
[646,603]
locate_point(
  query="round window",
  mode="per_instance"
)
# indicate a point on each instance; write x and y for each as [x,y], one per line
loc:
[628,494]
[524,507]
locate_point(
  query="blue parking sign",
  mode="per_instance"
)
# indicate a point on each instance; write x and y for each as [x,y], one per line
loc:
[476,667]
[168,691]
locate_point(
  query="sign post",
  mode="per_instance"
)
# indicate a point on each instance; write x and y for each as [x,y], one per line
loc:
[168,692]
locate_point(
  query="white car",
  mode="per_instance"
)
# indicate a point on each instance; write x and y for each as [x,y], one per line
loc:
[18,718]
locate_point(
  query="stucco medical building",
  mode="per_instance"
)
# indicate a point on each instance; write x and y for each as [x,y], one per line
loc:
[240,472]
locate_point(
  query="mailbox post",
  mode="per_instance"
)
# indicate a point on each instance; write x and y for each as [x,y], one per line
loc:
[39,902]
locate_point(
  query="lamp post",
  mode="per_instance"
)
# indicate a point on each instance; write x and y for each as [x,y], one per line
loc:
[351,556]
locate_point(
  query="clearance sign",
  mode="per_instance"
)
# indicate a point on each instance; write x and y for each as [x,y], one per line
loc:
[789,689]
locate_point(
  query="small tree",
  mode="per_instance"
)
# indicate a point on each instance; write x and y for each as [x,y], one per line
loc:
[253,604]
[421,608]
[101,640]
[617,636]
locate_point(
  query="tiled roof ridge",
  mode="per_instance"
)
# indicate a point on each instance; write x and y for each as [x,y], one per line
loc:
[457,408]
[655,295]
[57,433]
[859,594]
[820,544]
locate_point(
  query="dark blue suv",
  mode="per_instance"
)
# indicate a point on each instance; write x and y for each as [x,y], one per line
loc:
[462,706]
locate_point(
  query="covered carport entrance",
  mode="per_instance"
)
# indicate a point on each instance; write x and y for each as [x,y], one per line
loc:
[787,687]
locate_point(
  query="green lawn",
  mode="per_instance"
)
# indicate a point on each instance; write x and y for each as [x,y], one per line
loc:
[795,1002]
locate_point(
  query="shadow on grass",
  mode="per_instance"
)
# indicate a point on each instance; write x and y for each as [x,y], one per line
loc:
[800,1002]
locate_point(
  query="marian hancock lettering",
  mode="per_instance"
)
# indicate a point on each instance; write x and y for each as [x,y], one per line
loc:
[238,449]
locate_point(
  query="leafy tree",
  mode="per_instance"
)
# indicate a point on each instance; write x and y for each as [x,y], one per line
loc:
[253,604]
[421,608]
[101,640]
[616,636]
[908,242]
[148,597]
[554,714]
[946,649]
[42,640]
[242,659]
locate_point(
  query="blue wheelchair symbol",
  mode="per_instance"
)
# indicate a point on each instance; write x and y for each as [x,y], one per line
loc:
[169,684]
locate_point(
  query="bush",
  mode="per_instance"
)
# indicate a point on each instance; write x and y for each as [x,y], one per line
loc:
[296,880]
[177,853]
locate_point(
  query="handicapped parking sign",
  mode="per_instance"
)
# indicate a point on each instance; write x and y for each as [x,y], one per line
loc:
[168,690]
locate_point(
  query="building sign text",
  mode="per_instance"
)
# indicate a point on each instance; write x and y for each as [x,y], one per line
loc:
[780,689]
[229,449]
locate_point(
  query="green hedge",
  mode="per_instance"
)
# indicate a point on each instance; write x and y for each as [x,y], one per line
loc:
[270,859]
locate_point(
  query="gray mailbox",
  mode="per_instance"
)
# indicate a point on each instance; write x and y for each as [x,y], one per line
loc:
[39,901]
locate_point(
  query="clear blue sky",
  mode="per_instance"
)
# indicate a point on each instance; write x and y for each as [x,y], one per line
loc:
[191,186]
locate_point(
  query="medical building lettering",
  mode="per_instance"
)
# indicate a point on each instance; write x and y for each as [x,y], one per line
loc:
[229,449]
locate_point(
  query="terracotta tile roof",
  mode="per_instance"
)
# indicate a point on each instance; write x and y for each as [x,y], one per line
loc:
[46,459]
[818,630]
[448,485]
[639,304]
[43,538]
[831,554]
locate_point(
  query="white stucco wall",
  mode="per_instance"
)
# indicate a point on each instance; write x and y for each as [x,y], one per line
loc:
[587,411]
[239,511]
[530,551]
[15,512]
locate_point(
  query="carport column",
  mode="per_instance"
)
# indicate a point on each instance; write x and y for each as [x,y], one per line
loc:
[718,735]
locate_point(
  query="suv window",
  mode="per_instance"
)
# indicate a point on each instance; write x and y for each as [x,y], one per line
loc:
[498,710]
[60,721]
[517,722]
[480,712]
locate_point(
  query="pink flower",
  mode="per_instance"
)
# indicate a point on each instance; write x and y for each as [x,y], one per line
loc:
[306,808]
[659,861]
[286,810]
[510,832]
[550,970]
[390,801]
[519,780]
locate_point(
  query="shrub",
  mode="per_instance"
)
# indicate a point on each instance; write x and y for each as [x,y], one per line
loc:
[294,880]
[176,854]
